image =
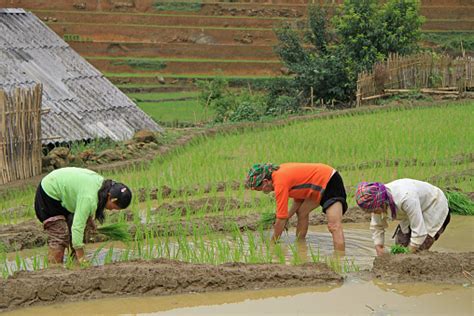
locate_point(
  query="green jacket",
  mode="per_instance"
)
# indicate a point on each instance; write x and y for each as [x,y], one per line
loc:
[76,189]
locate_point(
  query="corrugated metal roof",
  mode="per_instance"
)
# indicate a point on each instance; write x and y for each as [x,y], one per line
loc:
[82,103]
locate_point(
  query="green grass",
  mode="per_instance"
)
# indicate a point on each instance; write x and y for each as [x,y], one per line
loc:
[421,134]
[177,111]
[177,6]
[144,85]
[128,74]
[141,97]
[140,64]
[460,203]
[429,138]
[450,42]
[183,60]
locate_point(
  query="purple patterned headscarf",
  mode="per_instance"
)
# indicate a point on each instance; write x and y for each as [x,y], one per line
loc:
[372,195]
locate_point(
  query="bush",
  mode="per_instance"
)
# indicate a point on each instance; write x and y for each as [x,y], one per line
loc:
[245,111]
[283,104]
[328,62]
[229,105]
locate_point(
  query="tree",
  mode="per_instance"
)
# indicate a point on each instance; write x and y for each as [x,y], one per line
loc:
[364,33]
[401,24]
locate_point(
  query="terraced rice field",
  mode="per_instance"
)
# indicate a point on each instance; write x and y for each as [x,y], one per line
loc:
[191,216]
[191,39]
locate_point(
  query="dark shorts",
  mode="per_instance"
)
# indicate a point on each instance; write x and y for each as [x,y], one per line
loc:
[404,239]
[334,192]
[46,206]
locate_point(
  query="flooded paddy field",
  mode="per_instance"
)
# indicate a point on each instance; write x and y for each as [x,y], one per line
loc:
[199,247]
[266,288]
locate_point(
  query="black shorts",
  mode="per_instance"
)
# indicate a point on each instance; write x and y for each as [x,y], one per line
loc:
[46,206]
[334,192]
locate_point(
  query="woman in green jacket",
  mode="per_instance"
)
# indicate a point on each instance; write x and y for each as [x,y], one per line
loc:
[67,199]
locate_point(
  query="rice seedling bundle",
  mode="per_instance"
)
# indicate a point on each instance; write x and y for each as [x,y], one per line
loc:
[116,231]
[460,203]
[267,219]
[396,249]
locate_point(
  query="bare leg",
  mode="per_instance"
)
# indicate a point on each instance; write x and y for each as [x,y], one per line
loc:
[334,215]
[303,217]
[55,255]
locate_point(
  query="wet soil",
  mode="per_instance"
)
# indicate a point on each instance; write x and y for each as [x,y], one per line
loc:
[25,235]
[158,277]
[30,234]
[427,266]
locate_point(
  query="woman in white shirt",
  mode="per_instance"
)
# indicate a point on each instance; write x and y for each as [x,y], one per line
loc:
[421,208]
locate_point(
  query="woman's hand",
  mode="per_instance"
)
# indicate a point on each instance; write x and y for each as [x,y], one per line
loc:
[80,255]
[379,249]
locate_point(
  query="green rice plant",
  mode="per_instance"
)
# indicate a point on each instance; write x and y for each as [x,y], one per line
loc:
[396,249]
[116,231]
[354,266]
[141,64]
[70,261]
[295,258]
[315,257]
[279,253]
[177,112]
[3,252]
[109,256]
[460,203]
[45,262]
[178,6]
[267,219]
[35,263]
[125,255]
[5,271]
[18,262]
[97,252]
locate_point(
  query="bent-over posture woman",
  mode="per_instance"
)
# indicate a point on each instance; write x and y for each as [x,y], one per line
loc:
[421,208]
[66,201]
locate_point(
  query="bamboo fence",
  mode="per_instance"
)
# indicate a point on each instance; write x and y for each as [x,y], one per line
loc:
[20,133]
[425,72]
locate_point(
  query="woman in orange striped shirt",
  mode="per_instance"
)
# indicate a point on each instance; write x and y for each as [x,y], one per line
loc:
[310,185]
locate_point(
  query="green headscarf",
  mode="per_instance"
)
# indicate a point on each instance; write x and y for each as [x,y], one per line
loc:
[258,172]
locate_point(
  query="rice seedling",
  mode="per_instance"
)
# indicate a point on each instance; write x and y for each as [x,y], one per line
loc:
[460,203]
[267,219]
[423,150]
[116,231]
[109,256]
[396,249]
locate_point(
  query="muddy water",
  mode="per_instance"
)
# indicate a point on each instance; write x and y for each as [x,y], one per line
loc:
[357,296]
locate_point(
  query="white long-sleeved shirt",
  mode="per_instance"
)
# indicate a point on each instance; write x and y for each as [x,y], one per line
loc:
[422,207]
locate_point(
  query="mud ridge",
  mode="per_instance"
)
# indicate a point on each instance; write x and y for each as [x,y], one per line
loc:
[157,277]
[426,266]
